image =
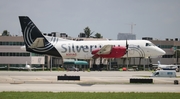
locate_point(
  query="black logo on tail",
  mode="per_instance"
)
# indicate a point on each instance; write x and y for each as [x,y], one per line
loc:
[31,33]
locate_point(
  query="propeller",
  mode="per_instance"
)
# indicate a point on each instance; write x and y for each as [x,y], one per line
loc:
[127,46]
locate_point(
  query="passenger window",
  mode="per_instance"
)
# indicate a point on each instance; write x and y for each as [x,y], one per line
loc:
[169,73]
[157,73]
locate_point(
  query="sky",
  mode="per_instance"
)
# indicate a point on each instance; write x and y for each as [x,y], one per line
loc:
[159,19]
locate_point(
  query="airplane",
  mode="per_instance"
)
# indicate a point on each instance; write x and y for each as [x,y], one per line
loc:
[3,67]
[36,42]
[166,67]
[26,67]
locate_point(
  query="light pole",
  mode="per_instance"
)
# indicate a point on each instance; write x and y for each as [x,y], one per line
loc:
[51,63]
[132,24]
[177,55]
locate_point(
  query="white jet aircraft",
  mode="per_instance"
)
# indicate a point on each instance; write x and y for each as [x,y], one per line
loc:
[26,67]
[36,42]
[166,67]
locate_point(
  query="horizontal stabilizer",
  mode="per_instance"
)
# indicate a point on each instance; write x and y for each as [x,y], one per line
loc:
[39,42]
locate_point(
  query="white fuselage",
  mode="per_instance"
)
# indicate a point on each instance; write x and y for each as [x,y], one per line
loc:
[83,49]
[168,66]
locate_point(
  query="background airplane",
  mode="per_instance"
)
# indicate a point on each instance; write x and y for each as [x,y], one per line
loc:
[166,67]
[26,67]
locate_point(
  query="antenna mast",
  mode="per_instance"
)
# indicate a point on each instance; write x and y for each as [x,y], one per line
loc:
[132,24]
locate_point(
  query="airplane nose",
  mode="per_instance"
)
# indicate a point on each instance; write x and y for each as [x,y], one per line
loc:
[161,52]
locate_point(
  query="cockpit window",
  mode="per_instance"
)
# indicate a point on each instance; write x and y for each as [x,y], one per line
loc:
[147,44]
[150,44]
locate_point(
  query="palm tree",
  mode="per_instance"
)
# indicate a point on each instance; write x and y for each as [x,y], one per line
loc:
[88,32]
[98,35]
[177,55]
[6,33]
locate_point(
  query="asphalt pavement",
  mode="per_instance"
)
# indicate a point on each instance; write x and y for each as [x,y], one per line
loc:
[104,81]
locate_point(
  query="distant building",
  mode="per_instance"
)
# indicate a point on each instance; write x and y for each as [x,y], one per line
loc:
[56,34]
[82,35]
[12,54]
[128,36]
[168,46]
[147,38]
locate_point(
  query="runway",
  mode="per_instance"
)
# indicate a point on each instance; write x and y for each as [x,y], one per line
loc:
[90,88]
[105,81]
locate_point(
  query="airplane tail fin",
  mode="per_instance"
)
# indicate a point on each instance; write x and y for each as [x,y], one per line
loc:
[34,40]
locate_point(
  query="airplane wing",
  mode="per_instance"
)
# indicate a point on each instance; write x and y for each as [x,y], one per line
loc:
[25,68]
[37,68]
[17,68]
[3,67]
[106,49]
[109,51]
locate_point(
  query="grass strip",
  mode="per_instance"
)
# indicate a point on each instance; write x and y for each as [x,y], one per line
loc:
[87,95]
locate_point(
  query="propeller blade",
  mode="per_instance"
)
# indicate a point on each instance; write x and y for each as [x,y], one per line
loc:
[127,46]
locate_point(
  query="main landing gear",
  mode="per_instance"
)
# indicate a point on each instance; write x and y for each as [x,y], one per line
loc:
[97,67]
